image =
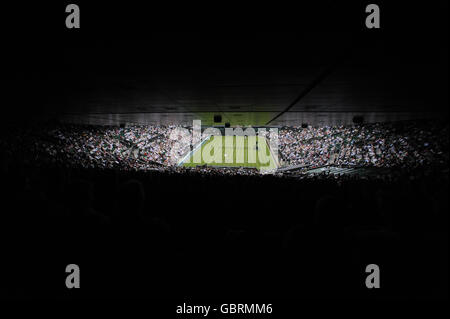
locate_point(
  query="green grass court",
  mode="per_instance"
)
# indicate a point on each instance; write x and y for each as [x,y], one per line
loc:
[232,151]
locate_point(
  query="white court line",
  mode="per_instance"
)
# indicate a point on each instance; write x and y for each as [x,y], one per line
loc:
[271,154]
[193,150]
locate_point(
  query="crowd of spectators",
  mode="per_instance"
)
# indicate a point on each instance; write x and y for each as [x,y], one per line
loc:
[136,147]
[385,145]
[404,144]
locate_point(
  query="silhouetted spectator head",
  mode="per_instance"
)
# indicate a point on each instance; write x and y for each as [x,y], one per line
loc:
[80,194]
[331,212]
[131,197]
